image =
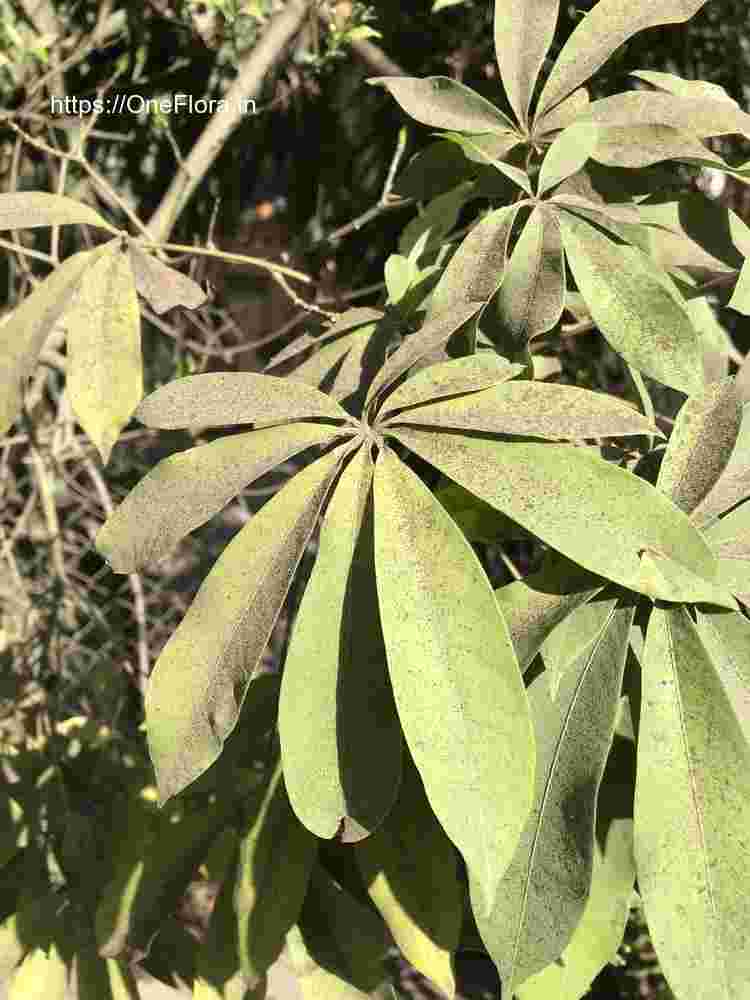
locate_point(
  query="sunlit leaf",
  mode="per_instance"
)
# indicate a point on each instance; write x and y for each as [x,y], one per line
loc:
[23,336]
[187,489]
[702,117]
[641,145]
[726,637]
[692,815]
[564,114]
[276,857]
[218,399]
[598,936]
[572,637]
[197,686]
[523,34]
[700,445]
[444,103]
[30,209]
[533,409]
[567,154]
[740,300]
[398,276]
[409,866]
[597,514]
[340,735]
[163,287]
[542,897]
[734,485]
[683,88]
[348,321]
[600,33]
[458,688]
[42,975]
[661,575]
[105,374]
[641,317]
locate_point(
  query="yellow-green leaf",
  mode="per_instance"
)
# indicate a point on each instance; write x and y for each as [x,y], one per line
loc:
[567,154]
[523,33]
[197,686]
[692,815]
[726,637]
[105,377]
[42,975]
[30,209]
[455,676]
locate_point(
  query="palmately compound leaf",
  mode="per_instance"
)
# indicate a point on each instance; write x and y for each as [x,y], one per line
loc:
[444,103]
[532,409]
[600,33]
[598,515]
[542,897]
[187,489]
[459,692]
[410,869]
[476,269]
[524,30]
[599,934]
[162,286]
[692,815]
[275,860]
[634,307]
[23,336]
[340,734]
[103,323]
[198,684]
[31,209]
[701,444]
[220,399]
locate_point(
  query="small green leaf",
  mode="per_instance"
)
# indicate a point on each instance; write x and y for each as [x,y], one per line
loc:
[31,209]
[597,514]
[398,277]
[458,688]
[340,735]
[542,897]
[276,857]
[187,489]
[198,684]
[22,337]
[444,103]
[219,399]
[523,34]
[105,377]
[410,869]
[700,445]
[600,33]
[634,307]
[532,409]
[692,815]
[568,153]
[163,287]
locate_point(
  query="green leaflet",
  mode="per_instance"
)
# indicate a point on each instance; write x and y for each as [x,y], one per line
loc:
[598,936]
[449,378]
[276,857]
[475,149]
[340,734]
[661,575]
[729,539]
[163,287]
[31,209]
[534,606]
[217,399]
[476,270]
[572,637]
[533,409]
[433,171]
[721,234]
[523,34]
[692,815]
[398,276]
[600,33]
[23,336]
[437,219]
[458,689]
[635,309]
[187,489]
[595,513]
[347,321]
[542,896]
[701,444]
[42,975]
[409,866]
[567,154]
[642,145]
[702,117]
[683,88]
[726,638]
[198,684]
[734,484]
[563,114]
[740,300]
[444,103]
[105,380]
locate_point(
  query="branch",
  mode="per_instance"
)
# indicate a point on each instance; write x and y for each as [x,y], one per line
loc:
[253,68]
